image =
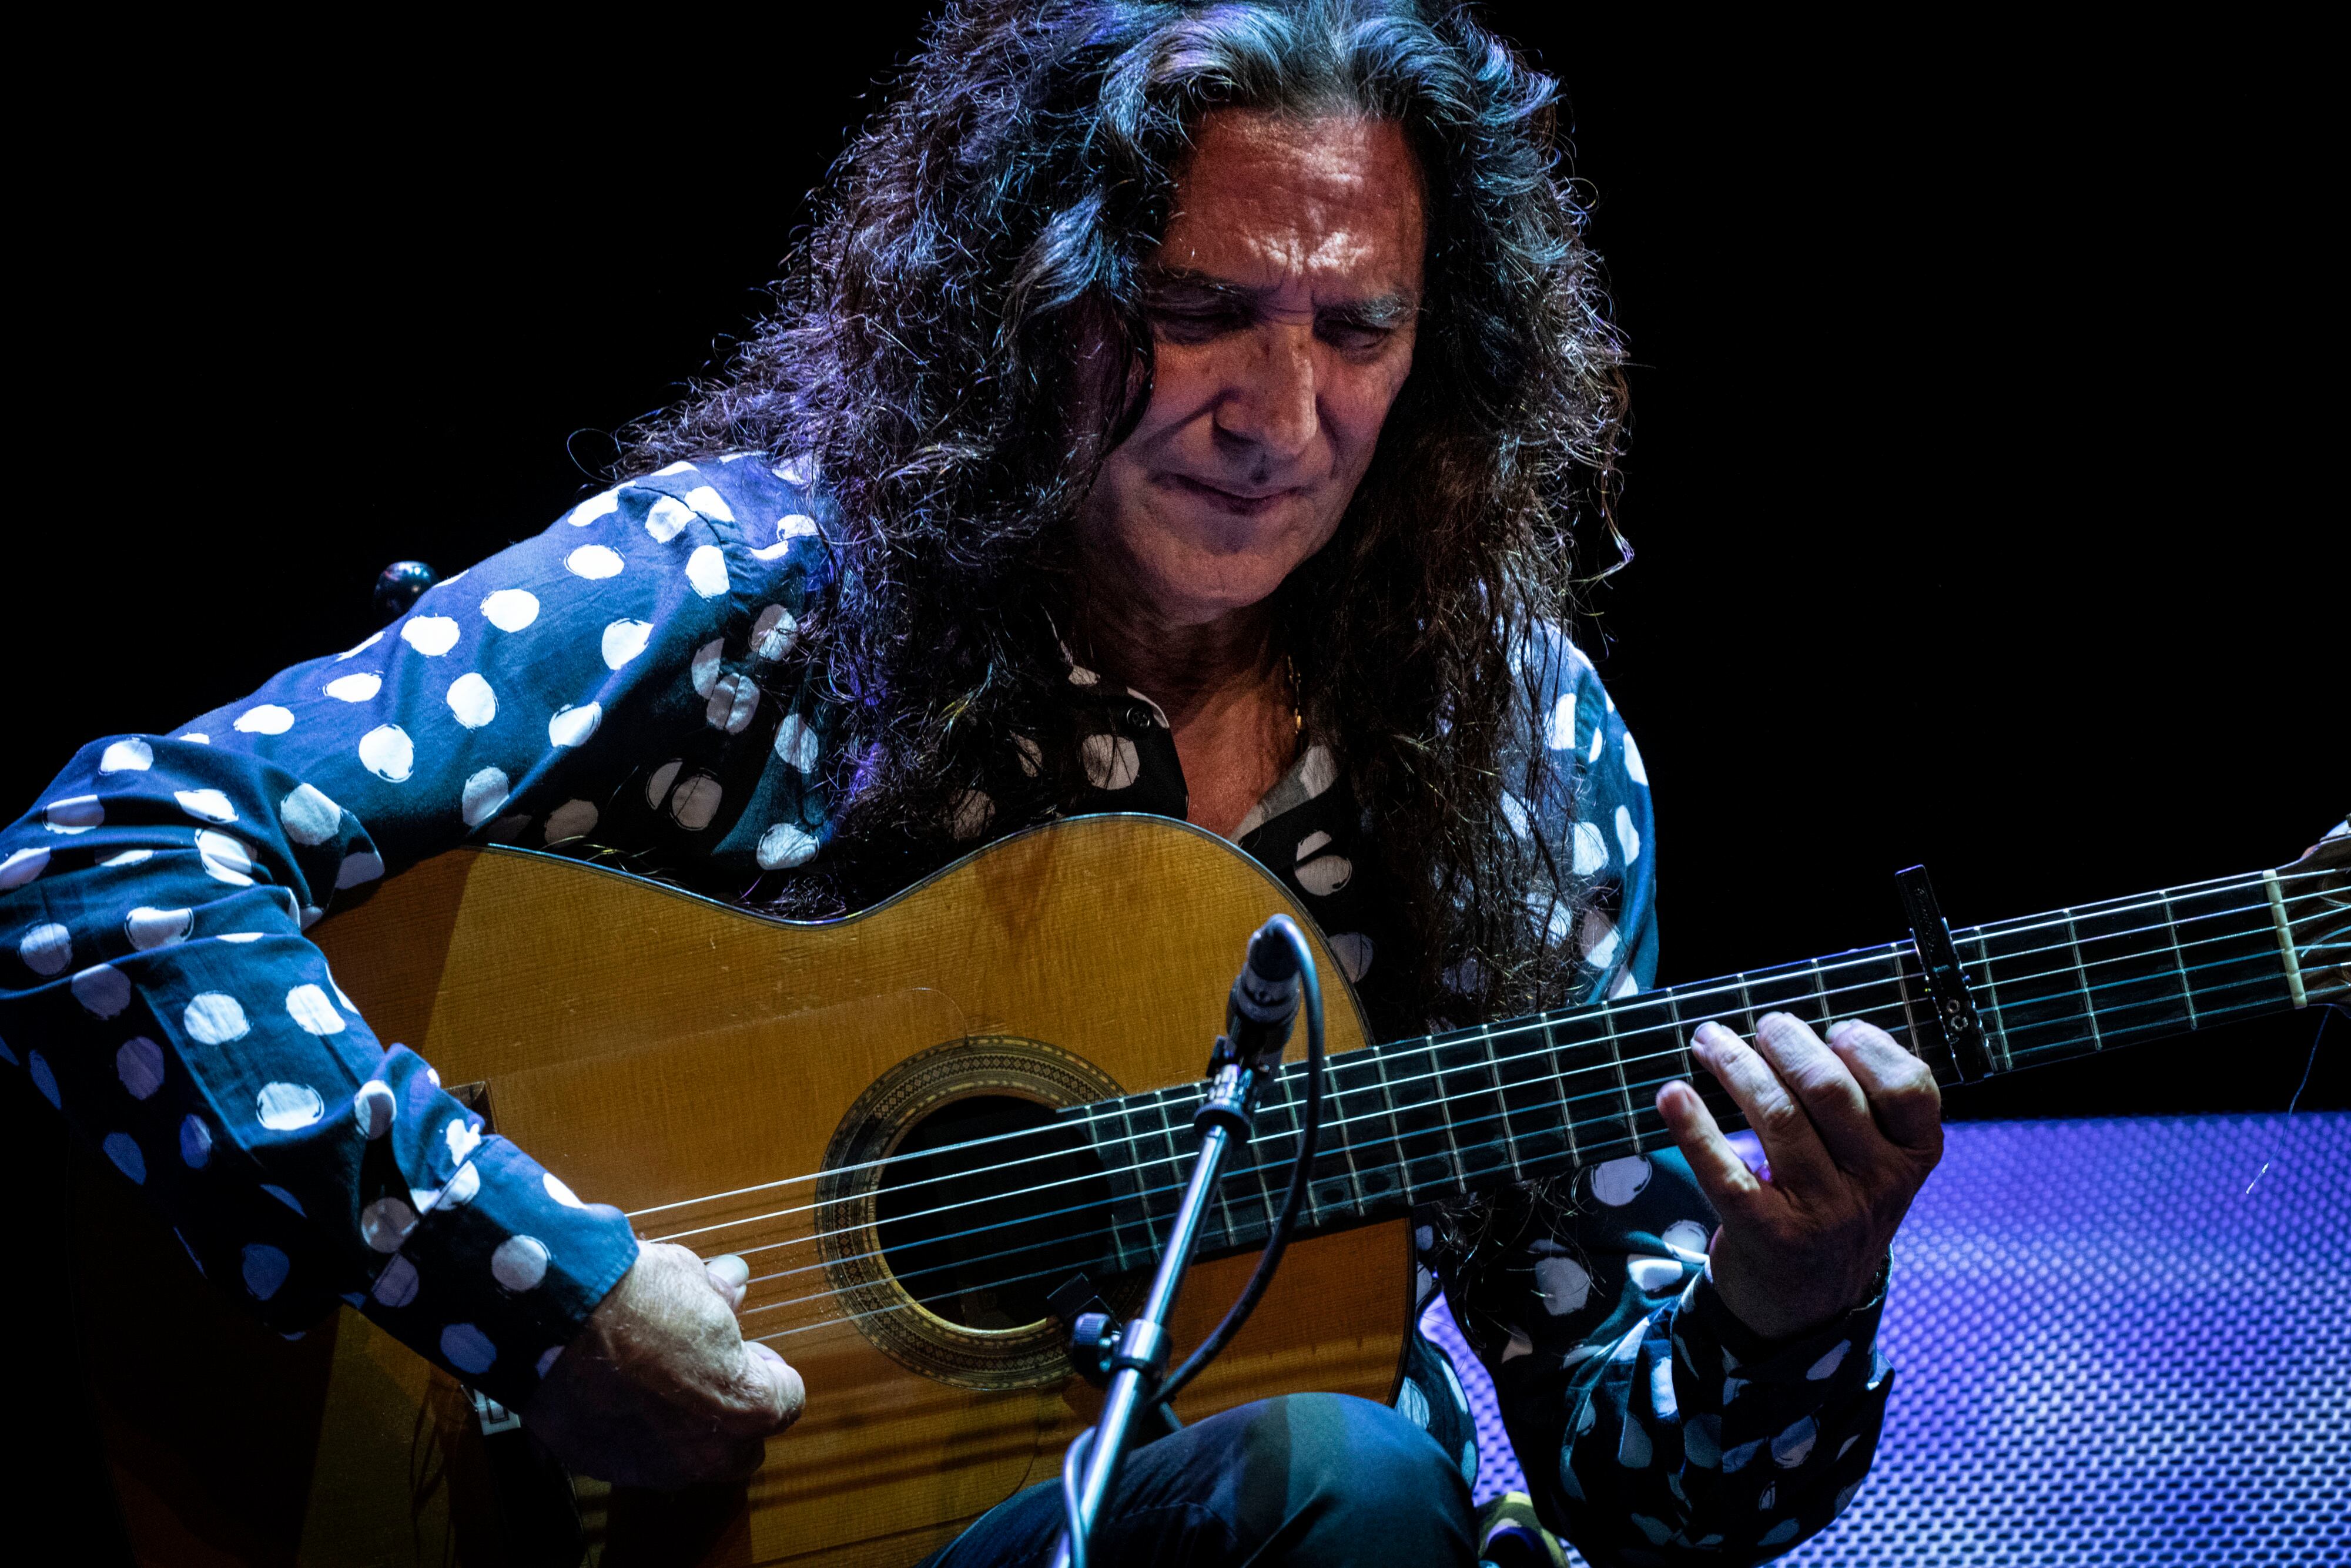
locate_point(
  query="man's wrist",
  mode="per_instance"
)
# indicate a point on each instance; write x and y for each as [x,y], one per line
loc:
[1752,1343]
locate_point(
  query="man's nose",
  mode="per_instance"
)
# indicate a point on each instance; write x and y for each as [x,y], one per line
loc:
[1271,402]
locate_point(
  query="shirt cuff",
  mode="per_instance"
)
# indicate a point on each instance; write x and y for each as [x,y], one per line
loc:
[500,1271]
[1813,1355]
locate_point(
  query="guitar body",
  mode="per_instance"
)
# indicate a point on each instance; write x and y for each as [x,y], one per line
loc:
[651,1048]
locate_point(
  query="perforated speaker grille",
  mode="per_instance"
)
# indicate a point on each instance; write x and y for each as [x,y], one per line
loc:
[2110,1354]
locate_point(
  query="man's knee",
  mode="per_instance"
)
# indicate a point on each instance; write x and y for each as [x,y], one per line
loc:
[1336,1466]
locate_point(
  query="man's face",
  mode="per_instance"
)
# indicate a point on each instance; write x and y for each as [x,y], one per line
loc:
[1283,304]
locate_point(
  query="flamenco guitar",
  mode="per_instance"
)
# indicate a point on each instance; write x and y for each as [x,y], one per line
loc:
[917,1122]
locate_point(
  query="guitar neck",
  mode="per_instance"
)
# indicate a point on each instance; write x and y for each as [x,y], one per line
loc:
[1443,1115]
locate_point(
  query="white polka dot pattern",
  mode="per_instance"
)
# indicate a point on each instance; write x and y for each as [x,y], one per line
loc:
[623,640]
[46,948]
[139,1065]
[307,1006]
[483,797]
[288,1107]
[387,752]
[510,609]
[103,989]
[572,725]
[431,635]
[594,562]
[215,1018]
[470,701]
[395,1286]
[309,817]
[467,1348]
[784,846]
[519,1263]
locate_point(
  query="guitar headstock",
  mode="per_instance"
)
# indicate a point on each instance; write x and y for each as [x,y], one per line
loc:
[2316,892]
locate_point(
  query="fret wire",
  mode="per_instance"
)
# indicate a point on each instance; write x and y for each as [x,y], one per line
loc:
[1501,1103]
[1175,1151]
[2089,1006]
[1991,988]
[1438,1073]
[1616,1056]
[1559,1075]
[2179,960]
[1335,1089]
[1223,1196]
[1135,1171]
[1396,1126]
[1909,1014]
[1681,1042]
[1276,1194]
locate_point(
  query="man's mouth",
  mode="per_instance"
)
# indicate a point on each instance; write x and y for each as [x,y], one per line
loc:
[1245,501]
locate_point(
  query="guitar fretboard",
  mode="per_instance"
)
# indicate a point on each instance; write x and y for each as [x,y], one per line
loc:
[1443,1116]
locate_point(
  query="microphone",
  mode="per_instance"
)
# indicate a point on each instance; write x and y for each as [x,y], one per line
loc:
[1264,1000]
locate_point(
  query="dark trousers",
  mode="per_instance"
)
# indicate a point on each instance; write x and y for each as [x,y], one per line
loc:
[1317,1479]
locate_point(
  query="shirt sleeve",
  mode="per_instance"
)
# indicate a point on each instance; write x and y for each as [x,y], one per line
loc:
[1653,1427]
[156,985]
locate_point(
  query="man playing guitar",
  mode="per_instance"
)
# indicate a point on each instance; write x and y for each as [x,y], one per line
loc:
[1178,411]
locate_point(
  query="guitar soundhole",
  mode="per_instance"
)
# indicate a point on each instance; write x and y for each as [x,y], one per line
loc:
[947,1234]
[987,1206]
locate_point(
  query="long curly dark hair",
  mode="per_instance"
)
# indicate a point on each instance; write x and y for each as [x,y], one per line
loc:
[992,224]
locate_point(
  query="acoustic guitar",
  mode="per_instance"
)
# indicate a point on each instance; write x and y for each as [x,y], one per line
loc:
[918,1123]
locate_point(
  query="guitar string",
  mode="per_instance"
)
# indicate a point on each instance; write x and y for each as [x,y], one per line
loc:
[1460,1164]
[1819,994]
[1635,1140]
[1468,1176]
[1725,986]
[1348,1153]
[1458,1161]
[2013,1032]
[1268,1171]
[1390,1085]
[1729,984]
[1264,1171]
[1497,1090]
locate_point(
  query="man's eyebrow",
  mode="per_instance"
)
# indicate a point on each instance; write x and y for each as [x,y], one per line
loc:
[1169,284]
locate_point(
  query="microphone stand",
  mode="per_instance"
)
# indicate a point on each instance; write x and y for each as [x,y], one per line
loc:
[1138,1358]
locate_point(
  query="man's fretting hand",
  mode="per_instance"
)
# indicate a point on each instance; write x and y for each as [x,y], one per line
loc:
[659,1388]
[1850,1129]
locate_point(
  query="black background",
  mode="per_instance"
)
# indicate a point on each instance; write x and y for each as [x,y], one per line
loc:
[1980,462]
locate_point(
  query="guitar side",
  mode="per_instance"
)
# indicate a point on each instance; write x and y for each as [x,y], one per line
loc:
[651,1047]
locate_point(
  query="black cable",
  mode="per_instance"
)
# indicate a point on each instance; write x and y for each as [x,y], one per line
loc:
[1301,1171]
[1074,1462]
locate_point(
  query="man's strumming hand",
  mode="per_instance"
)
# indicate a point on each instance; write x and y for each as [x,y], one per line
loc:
[659,1388]
[1849,1127]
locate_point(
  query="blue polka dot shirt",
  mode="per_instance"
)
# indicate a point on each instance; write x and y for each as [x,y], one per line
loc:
[625,681]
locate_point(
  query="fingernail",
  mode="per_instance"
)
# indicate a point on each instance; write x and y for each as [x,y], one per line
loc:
[1710,1032]
[1839,1027]
[760,1347]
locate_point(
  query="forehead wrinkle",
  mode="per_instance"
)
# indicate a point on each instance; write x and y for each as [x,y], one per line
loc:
[1297,203]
